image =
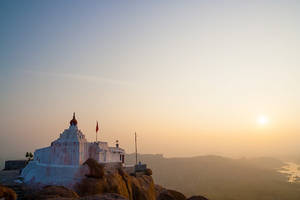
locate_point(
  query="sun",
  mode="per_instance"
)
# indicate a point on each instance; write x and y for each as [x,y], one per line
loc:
[262,120]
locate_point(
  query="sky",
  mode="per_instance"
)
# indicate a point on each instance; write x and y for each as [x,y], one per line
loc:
[190,77]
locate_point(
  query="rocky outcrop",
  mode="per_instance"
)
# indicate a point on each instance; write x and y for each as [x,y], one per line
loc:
[7,193]
[102,183]
[118,182]
[53,192]
[96,170]
[197,198]
[166,194]
[148,172]
[109,196]
[139,187]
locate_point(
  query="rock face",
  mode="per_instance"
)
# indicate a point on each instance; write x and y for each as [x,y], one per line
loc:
[96,170]
[7,193]
[197,198]
[52,192]
[109,196]
[119,182]
[165,194]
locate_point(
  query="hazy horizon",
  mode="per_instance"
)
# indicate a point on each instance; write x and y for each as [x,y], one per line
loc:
[191,78]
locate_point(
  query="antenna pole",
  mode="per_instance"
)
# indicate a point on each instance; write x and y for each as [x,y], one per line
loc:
[135,148]
[97,129]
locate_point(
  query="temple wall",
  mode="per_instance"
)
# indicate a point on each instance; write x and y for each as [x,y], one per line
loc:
[66,153]
[83,152]
[38,174]
[43,155]
[74,153]
[102,157]
[93,152]
[114,157]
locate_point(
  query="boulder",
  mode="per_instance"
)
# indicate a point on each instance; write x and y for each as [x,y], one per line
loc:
[148,172]
[142,188]
[137,188]
[54,192]
[96,170]
[197,198]
[7,193]
[118,182]
[91,186]
[108,196]
[158,189]
[57,198]
[171,195]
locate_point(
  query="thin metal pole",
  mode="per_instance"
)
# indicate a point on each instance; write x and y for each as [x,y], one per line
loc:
[97,132]
[135,149]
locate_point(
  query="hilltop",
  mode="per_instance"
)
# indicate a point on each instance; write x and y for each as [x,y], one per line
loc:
[99,183]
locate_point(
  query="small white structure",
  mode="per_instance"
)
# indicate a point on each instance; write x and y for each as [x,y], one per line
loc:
[61,163]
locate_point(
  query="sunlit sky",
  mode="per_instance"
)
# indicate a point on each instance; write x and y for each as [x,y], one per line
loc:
[190,77]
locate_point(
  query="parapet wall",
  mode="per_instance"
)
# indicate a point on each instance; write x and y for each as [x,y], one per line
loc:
[15,164]
[37,174]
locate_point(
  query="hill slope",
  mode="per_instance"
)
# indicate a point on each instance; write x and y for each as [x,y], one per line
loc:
[222,178]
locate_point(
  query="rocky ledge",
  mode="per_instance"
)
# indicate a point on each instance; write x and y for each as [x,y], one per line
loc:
[101,184]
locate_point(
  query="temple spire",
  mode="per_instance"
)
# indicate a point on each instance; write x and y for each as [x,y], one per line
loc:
[73,122]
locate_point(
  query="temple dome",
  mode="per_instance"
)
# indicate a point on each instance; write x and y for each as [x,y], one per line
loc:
[73,122]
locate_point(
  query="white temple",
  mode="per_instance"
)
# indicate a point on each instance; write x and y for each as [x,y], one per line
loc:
[61,162]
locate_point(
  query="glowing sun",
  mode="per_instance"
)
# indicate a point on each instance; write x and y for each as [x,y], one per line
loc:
[262,120]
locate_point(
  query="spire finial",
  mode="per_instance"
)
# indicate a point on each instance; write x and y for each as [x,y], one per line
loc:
[73,122]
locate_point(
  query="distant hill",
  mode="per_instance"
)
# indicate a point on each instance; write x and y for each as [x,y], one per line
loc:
[221,178]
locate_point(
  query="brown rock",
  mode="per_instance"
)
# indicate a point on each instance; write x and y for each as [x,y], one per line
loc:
[7,193]
[96,169]
[55,192]
[119,182]
[148,172]
[91,186]
[108,196]
[143,188]
[110,183]
[158,189]
[171,195]
[197,198]
[57,198]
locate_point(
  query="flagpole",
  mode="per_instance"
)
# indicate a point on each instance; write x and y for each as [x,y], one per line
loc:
[97,132]
[135,148]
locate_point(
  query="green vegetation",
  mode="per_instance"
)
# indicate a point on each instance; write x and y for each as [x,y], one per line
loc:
[220,178]
[29,156]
